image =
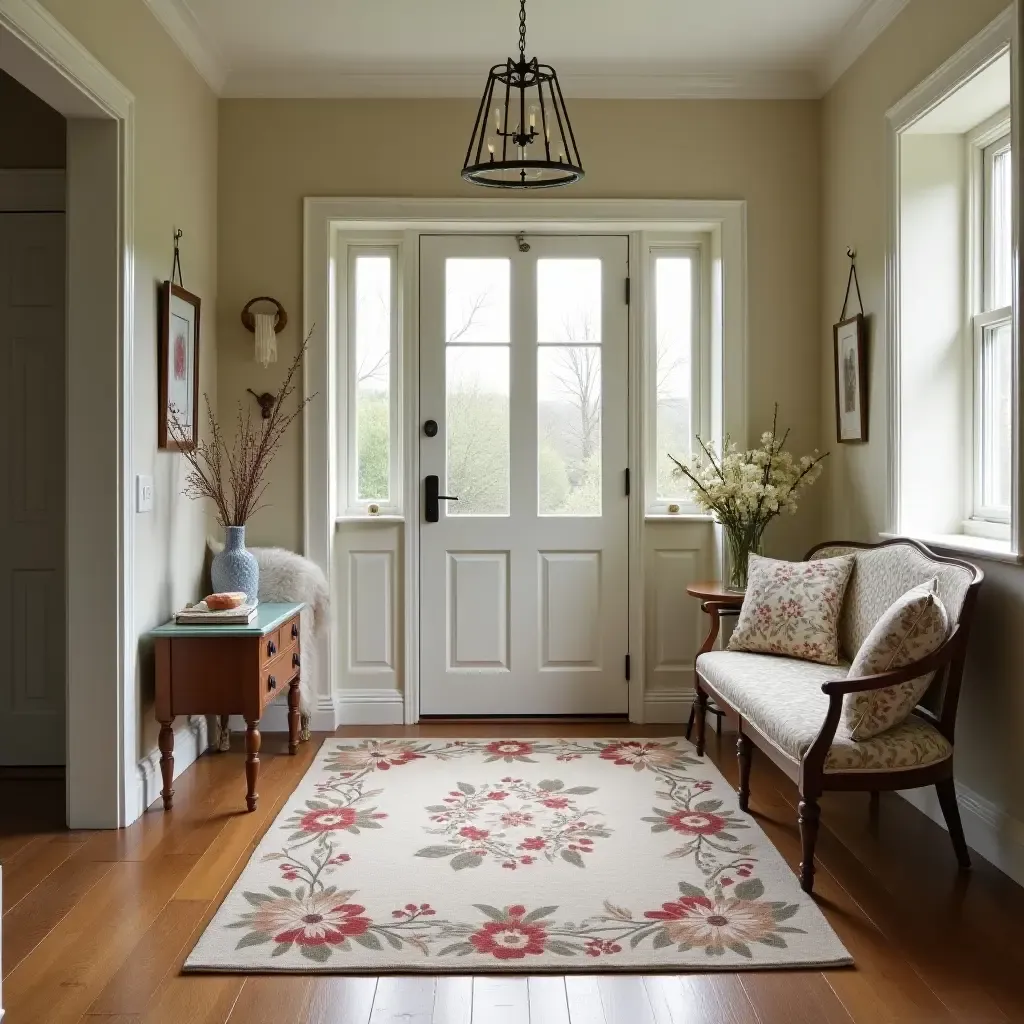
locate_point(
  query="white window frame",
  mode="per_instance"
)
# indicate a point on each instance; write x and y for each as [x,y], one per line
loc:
[984,143]
[697,246]
[349,249]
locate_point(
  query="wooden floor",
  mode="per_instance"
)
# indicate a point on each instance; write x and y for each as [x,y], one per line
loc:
[96,925]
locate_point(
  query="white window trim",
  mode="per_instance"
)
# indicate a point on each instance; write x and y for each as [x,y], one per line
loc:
[698,245]
[349,248]
[996,39]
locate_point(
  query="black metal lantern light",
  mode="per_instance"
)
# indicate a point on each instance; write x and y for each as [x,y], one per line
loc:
[522,137]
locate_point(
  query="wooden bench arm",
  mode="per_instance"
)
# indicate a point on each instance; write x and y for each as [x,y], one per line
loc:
[932,663]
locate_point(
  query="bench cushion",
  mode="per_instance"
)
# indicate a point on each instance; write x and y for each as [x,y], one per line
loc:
[782,698]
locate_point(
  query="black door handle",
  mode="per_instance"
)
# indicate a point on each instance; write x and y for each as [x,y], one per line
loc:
[430,488]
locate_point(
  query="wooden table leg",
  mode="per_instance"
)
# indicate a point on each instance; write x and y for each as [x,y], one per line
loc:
[709,643]
[293,716]
[167,762]
[252,762]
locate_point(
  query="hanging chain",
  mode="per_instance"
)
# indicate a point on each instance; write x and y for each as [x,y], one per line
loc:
[522,30]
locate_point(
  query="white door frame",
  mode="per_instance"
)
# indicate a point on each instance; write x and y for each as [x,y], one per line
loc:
[324,218]
[102,703]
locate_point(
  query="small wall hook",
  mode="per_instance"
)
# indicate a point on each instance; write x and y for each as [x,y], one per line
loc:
[851,252]
[524,245]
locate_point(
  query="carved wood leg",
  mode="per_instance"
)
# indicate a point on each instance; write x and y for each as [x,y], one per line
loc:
[167,762]
[293,716]
[951,812]
[744,750]
[810,814]
[702,715]
[252,762]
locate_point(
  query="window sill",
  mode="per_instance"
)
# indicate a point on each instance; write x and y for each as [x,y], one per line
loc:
[980,547]
[675,517]
[363,518]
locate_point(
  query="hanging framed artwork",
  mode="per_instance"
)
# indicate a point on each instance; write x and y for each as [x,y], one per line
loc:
[849,340]
[178,355]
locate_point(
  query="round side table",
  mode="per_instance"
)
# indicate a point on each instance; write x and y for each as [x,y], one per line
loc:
[716,600]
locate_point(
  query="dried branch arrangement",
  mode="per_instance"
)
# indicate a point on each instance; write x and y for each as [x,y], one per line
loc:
[234,477]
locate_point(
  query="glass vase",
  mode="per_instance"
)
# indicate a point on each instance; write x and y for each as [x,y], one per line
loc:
[740,544]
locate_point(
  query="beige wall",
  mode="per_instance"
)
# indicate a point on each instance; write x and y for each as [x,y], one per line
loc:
[32,134]
[854,204]
[175,186]
[275,152]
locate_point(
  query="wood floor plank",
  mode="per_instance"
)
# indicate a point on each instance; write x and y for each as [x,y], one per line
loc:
[453,1000]
[584,999]
[625,999]
[340,1000]
[44,908]
[697,999]
[501,999]
[133,985]
[548,1001]
[72,965]
[34,863]
[194,999]
[403,999]
[793,998]
[271,1000]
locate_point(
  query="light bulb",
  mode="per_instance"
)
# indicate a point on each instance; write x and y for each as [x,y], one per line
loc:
[497,117]
[533,116]
[490,146]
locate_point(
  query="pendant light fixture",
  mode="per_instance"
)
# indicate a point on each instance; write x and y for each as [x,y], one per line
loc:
[522,137]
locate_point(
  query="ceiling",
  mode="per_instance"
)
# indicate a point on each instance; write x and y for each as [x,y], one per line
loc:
[643,48]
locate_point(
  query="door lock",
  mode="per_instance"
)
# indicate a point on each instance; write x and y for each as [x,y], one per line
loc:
[431,509]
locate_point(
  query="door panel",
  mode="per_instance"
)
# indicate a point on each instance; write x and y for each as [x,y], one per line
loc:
[523,365]
[32,516]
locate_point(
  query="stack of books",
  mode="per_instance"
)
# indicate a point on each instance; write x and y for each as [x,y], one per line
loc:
[200,615]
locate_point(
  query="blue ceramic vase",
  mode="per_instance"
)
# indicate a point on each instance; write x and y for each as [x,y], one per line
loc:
[234,568]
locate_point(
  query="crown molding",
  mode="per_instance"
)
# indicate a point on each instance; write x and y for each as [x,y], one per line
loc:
[467,81]
[868,22]
[181,25]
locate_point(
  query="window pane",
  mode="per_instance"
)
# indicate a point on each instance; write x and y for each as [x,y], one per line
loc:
[477,301]
[477,425]
[373,375]
[568,302]
[1000,286]
[569,430]
[996,412]
[673,325]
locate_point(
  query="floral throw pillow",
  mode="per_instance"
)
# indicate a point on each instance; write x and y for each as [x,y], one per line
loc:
[913,627]
[792,608]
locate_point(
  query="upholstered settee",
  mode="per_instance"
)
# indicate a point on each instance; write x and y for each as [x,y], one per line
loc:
[791,710]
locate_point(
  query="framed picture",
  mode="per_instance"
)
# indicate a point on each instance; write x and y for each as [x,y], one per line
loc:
[851,380]
[178,364]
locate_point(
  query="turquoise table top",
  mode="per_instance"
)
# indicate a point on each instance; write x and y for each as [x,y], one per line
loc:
[268,617]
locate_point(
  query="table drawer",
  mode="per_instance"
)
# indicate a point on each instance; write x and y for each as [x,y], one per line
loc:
[275,677]
[270,647]
[290,634]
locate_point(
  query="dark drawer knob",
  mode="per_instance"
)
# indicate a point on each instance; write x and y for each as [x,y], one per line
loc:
[271,648]
[271,683]
[295,660]
[295,631]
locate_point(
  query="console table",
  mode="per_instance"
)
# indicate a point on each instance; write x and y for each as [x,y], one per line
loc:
[227,670]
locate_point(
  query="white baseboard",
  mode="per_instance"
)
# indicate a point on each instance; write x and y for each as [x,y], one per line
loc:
[190,741]
[668,707]
[990,831]
[275,717]
[369,707]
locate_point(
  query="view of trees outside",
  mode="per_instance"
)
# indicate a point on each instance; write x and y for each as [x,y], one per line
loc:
[673,313]
[373,376]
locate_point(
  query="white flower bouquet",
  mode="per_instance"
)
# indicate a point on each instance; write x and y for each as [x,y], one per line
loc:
[745,491]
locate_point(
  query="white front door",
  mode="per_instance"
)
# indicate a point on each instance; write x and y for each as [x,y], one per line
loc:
[523,579]
[32,446]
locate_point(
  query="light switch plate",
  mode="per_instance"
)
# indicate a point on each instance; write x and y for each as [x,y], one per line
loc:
[143,493]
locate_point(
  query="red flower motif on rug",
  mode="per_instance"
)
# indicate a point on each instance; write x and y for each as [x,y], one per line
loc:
[511,939]
[509,750]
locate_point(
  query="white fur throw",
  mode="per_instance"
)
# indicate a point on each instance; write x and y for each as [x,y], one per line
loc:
[286,576]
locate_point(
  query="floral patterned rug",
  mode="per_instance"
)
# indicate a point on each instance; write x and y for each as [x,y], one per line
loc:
[524,855]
